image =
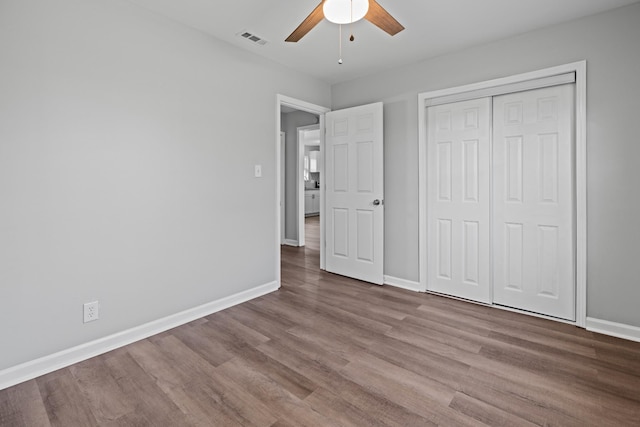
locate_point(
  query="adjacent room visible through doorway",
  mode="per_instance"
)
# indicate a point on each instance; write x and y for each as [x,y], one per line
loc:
[301,172]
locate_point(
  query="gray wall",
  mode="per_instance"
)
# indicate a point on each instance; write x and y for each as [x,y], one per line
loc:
[290,122]
[127,145]
[609,43]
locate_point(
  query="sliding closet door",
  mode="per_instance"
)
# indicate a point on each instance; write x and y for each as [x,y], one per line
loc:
[458,199]
[534,267]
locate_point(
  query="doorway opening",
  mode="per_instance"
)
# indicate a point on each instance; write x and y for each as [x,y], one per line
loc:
[292,114]
[352,236]
[308,176]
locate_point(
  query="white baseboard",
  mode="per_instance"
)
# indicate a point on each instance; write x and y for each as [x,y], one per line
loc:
[290,242]
[44,365]
[402,283]
[619,330]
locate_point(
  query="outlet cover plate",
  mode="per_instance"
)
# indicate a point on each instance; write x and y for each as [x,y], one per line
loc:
[91,311]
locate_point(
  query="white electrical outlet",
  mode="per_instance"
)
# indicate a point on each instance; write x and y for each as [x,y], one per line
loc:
[91,311]
[257,171]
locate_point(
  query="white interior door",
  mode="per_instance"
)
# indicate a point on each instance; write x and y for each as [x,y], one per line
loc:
[534,266]
[458,213]
[354,193]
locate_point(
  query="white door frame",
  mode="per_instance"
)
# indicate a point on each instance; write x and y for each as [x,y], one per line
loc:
[300,144]
[310,108]
[282,196]
[580,70]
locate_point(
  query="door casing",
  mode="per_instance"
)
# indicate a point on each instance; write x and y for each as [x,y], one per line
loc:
[282,175]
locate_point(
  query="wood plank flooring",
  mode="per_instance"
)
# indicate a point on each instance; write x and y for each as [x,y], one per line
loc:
[329,351]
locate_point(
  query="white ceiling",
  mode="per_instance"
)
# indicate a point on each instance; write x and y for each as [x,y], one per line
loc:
[433,27]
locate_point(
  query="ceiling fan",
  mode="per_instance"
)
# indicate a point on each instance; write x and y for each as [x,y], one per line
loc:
[345,12]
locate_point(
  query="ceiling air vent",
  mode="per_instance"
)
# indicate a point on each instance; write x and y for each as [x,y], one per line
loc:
[252,38]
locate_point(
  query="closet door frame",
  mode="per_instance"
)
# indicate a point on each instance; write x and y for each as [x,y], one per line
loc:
[531,80]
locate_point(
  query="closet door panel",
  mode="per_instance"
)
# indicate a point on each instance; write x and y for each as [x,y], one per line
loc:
[534,262]
[458,198]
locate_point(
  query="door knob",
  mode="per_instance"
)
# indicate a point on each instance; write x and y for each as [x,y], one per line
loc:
[376,202]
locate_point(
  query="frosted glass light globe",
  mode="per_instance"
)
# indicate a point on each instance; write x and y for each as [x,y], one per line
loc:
[340,11]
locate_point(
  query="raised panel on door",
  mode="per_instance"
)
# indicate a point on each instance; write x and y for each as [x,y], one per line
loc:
[458,198]
[534,262]
[354,180]
[443,247]
[365,234]
[339,236]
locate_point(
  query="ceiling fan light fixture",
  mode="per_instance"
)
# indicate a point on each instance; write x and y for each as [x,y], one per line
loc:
[345,11]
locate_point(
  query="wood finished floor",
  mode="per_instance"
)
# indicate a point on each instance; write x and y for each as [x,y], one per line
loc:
[330,351]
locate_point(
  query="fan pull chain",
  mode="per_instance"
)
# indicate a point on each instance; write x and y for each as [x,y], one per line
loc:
[351,38]
[340,45]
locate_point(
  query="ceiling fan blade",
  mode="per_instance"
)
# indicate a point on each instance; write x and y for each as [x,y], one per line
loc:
[307,25]
[379,17]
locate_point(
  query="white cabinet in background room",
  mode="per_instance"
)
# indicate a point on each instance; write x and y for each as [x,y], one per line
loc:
[312,202]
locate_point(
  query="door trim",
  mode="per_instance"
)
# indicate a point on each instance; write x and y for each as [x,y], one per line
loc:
[283,100]
[282,196]
[580,70]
